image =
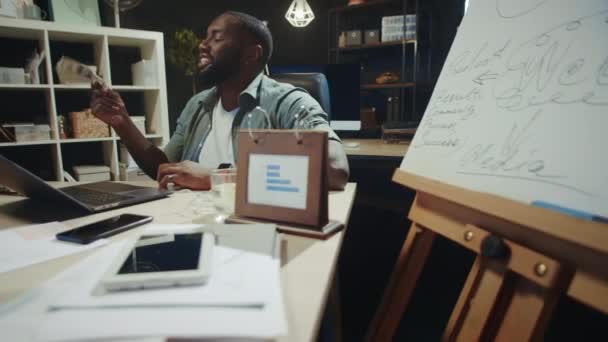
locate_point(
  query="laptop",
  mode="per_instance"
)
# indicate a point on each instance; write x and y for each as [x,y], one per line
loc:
[92,197]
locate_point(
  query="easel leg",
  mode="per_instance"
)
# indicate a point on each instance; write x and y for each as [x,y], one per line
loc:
[487,283]
[408,267]
[529,311]
[496,304]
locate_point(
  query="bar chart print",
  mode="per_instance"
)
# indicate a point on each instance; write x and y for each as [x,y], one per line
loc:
[278,180]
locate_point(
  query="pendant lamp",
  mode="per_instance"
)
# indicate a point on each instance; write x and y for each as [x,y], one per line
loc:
[299,13]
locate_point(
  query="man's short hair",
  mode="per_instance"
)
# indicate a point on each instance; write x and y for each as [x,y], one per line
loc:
[259,30]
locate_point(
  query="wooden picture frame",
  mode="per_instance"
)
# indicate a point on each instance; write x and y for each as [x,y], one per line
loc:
[306,144]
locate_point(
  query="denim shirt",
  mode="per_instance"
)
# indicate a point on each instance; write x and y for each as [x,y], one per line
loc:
[281,101]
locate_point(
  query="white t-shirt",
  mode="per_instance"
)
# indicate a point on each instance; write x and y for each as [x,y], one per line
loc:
[217,148]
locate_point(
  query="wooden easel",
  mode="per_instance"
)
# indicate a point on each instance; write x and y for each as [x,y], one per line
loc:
[526,258]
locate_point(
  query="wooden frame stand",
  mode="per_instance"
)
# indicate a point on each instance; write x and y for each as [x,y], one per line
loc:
[527,258]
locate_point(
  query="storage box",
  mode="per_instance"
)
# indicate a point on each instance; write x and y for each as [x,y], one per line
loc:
[398,27]
[132,174]
[368,118]
[140,123]
[391,33]
[24,132]
[9,8]
[394,20]
[144,73]
[86,125]
[12,75]
[372,37]
[353,38]
[92,173]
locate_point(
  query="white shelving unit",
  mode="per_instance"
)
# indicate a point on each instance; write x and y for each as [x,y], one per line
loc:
[57,155]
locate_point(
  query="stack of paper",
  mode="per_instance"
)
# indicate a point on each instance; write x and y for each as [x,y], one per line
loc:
[28,245]
[241,300]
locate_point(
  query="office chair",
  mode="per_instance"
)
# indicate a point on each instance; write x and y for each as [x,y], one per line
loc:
[314,83]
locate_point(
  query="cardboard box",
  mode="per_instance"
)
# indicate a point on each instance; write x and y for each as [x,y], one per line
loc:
[86,125]
[24,132]
[9,8]
[144,73]
[353,38]
[12,75]
[372,37]
[92,173]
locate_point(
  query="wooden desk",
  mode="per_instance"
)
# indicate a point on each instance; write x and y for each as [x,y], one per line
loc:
[374,148]
[307,265]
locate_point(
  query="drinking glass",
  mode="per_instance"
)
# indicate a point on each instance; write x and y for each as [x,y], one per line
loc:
[223,189]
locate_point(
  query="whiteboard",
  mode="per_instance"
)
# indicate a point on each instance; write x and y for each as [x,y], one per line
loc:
[520,109]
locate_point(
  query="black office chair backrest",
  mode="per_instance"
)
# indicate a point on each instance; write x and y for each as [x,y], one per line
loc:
[314,83]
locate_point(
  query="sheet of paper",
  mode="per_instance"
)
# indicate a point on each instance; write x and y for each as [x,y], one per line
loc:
[264,323]
[278,180]
[238,279]
[520,107]
[28,317]
[257,238]
[28,245]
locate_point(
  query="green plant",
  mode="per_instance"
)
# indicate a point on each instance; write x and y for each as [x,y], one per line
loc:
[183,48]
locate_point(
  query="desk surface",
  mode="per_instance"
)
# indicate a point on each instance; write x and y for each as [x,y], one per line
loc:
[374,148]
[307,265]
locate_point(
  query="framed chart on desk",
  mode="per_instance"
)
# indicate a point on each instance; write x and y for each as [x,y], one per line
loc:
[282,176]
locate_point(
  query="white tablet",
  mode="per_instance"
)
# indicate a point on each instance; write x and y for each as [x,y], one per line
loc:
[162,260]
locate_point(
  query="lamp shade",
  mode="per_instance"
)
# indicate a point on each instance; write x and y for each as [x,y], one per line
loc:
[299,13]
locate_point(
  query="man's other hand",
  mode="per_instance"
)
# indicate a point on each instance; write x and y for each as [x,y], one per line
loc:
[107,105]
[185,174]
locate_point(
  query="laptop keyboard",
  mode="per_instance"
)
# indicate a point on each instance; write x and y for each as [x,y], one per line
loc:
[94,197]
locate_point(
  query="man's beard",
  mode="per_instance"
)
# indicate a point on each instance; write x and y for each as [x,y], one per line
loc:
[218,71]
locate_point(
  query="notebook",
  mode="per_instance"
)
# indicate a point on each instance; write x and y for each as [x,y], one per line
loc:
[92,197]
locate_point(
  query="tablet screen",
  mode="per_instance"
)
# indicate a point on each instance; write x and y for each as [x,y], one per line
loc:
[175,252]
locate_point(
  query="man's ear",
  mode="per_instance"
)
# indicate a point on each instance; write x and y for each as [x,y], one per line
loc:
[253,54]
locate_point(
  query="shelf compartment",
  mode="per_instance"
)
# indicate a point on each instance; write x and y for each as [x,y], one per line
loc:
[86,51]
[124,52]
[71,99]
[25,106]
[90,153]
[388,86]
[21,49]
[140,101]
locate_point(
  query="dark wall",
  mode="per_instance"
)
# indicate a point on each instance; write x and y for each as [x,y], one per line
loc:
[306,45]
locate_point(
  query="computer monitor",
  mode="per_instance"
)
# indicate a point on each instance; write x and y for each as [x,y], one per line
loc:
[344,91]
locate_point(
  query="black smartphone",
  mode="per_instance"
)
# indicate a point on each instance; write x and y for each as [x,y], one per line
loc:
[103,229]
[224,166]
